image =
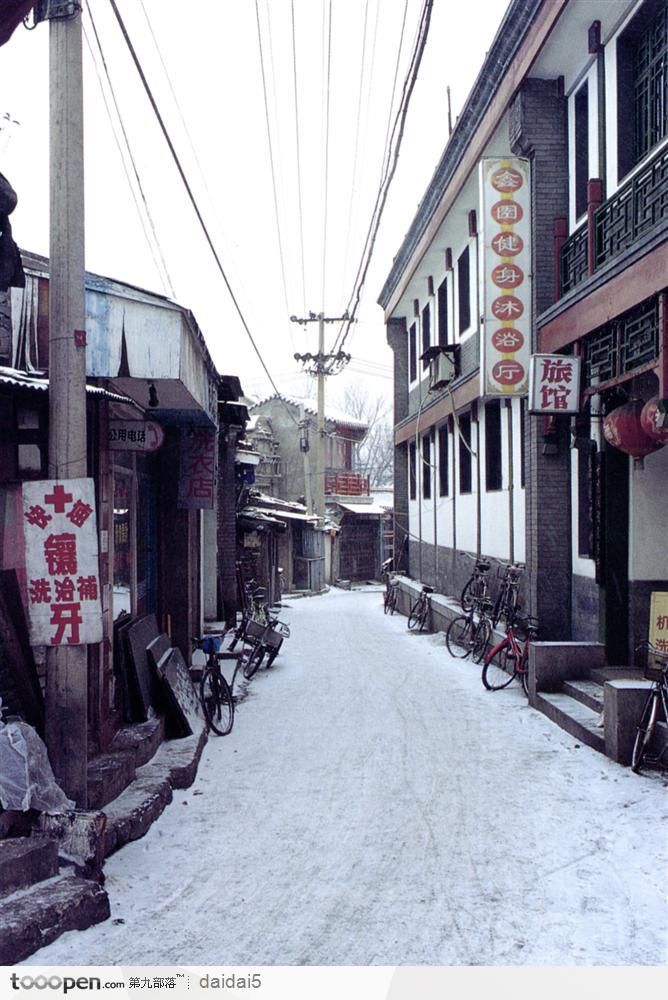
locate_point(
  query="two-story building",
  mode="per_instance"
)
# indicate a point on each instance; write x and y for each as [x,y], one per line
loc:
[543,232]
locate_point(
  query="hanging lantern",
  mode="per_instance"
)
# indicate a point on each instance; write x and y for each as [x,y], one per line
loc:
[622,429]
[654,420]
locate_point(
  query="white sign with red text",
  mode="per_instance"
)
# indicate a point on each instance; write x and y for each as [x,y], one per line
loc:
[135,435]
[506,241]
[62,569]
[554,384]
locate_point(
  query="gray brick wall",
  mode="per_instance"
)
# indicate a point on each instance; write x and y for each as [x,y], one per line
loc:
[397,338]
[538,129]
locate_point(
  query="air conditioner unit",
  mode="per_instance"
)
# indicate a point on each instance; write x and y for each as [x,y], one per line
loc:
[442,365]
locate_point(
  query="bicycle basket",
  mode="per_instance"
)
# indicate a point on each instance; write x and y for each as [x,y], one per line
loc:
[255,630]
[655,664]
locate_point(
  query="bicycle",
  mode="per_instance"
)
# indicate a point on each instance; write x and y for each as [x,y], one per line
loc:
[262,638]
[507,601]
[391,596]
[419,613]
[656,670]
[509,658]
[214,691]
[476,588]
[466,635]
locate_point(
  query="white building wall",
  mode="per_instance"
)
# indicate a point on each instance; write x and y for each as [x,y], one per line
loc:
[648,529]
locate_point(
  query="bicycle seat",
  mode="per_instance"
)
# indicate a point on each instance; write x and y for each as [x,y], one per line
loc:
[483,566]
[427,590]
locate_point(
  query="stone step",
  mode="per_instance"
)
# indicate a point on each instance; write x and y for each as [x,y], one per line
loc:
[603,674]
[589,692]
[108,776]
[142,738]
[572,716]
[26,860]
[32,918]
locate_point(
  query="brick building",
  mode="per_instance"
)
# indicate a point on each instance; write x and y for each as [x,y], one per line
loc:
[571,103]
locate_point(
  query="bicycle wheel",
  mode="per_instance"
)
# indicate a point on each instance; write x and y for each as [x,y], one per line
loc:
[252,658]
[272,656]
[497,611]
[217,701]
[459,636]
[393,601]
[481,636]
[387,603]
[524,676]
[417,615]
[469,594]
[499,669]
[645,731]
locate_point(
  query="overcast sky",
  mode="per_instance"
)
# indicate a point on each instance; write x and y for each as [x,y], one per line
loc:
[202,60]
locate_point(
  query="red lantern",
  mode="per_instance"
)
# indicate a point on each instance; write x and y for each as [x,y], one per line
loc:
[622,429]
[654,421]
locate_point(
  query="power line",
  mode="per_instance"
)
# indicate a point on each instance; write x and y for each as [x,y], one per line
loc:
[189,191]
[381,197]
[326,194]
[299,169]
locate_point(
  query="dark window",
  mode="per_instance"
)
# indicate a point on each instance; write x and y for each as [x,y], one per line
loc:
[412,471]
[493,478]
[426,466]
[426,333]
[464,291]
[465,454]
[443,314]
[443,459]
[586,450]
[642,84]
[581,149]
[412,353]
[523,440]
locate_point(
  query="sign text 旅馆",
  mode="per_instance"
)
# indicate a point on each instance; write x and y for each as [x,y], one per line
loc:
[62,568]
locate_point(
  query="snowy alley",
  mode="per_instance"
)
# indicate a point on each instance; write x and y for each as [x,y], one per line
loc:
[375,805]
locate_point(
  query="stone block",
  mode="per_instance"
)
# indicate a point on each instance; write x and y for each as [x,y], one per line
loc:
[623,702]
[26,860]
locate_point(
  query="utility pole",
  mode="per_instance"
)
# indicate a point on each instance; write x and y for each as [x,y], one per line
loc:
[304,448]
[67,666]
[321,365]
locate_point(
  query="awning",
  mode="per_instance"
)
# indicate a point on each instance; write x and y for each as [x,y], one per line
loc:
[361,508]
[260,518]
[12,376]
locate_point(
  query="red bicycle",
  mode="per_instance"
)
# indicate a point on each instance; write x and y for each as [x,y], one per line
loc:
[510,657]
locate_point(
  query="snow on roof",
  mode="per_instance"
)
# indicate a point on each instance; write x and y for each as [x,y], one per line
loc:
[40,383]
[335,415]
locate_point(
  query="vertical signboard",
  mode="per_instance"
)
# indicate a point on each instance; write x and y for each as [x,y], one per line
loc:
[658,620]
[197,468]
[506,241]
[62,570]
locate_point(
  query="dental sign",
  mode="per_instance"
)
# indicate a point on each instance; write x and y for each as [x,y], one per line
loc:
[506,240]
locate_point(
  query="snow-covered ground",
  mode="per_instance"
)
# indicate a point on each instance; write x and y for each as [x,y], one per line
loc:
[375,805]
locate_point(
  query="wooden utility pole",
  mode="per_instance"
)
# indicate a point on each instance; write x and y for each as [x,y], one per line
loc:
[321,365]
[67,666]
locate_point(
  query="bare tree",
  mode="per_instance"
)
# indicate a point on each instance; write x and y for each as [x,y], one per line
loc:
[375,453]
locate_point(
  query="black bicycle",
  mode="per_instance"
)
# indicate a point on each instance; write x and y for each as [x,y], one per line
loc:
[476,588]
[391,597]
[214,691]
[656,670]
[507,602]
[419,613]
[470,635]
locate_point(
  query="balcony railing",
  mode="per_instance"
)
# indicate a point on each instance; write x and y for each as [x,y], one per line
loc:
[615,225]
[346,484]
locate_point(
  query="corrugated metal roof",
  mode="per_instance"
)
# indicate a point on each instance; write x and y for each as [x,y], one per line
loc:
[12,376]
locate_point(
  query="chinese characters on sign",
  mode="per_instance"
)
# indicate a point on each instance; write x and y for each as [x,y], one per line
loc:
[507,270]
[554,384]
[62,573]
[197,468]
[658,620]
[135,435]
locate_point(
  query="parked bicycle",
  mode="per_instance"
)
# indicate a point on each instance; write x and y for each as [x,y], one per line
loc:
[391,596]
[262,638]
[509,658]
[656,670]
[419,613]
[476,588]
[214,691]
[507,602]
[470,635]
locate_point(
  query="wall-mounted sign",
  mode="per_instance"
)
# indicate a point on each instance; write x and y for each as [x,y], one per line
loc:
[197,468]
[62,572]
[135,435]
[658,620]
[554,384]
[506,241]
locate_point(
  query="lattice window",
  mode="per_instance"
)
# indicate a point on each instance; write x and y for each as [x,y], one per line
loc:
[573,260]
[651,85]
[639,337]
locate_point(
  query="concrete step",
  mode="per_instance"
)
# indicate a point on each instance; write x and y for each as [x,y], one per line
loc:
[34,917]
[603,674]
[572,716]
[26,860]
[588,692]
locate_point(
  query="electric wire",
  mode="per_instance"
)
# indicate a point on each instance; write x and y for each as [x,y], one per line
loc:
[273,171]
[326,117]
[299,169]
[153,244]
[189,191]
[381,198]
